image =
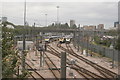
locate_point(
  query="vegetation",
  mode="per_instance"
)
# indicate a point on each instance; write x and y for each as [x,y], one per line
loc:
[62,26]
[105,42]
[112,33]
[9,57]
[73,27]
[10,60]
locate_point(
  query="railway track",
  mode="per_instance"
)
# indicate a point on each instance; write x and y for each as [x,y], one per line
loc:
[86,61]
[82,71]
[51,66]
[35,72]
[103,71]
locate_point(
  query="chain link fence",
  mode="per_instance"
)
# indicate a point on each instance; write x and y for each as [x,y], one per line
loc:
[110,53]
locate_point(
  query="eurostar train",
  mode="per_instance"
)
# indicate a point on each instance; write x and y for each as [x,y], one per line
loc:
[67,40]
[51,39]
[62,40]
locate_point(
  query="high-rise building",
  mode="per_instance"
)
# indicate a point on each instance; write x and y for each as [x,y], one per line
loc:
[85,27]
[72,22]
[100,27]
[119,14]
[116,24]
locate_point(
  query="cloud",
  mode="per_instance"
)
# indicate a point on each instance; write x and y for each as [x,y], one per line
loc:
[82,12]
[61,0]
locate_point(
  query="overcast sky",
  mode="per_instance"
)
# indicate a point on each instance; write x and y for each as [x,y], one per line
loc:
[84,13]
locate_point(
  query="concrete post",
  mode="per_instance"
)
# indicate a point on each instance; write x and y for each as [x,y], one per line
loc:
[41,54]
[74,39]
[23,60]
[78,41]
[113,59]
[63,65]
[0,63]
[87,46]
[82,41]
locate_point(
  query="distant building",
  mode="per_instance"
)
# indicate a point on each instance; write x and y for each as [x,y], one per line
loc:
[4,19]
[85,27]
[119,14]
[100,27]
[90,27]
[116,24]
[72,22]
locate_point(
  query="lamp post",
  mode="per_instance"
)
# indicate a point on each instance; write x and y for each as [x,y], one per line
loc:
[58,14]
[24,44]
[46,20]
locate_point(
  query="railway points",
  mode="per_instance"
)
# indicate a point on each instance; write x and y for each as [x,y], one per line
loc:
[45,57]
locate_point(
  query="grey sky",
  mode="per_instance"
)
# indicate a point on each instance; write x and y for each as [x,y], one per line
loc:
[84,13]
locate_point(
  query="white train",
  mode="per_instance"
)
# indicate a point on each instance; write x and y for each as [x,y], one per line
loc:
[65,40]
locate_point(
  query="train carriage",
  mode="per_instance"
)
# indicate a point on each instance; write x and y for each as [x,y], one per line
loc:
[51,39]
[62,40]
[67,40]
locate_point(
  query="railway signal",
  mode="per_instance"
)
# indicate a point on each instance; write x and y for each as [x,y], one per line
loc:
[41,49]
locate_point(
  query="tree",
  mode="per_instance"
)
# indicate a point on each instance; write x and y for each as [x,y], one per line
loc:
[112,32]
[74,26]
[10,60]
[66,25]
[53,24]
